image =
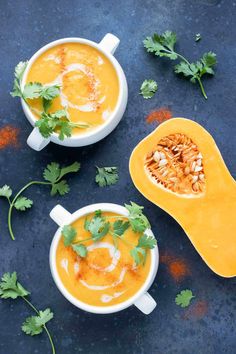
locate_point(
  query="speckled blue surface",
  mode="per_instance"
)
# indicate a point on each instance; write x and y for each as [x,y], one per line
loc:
[25,27]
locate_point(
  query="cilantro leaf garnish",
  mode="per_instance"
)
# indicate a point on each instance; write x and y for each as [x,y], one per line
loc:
[69,234]
[34,325]
[23,203]
[52,175]
[163,46]
[10,288]
[48,122]
[139,253]
[148,88]
[184,298]
[106,176]
[137,219]
[98,228]
[81,250]
[120,226]
[5,191]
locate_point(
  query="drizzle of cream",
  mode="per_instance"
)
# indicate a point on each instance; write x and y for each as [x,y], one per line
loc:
[64,264]
[53,57]
[107,298]
[106,114]
[76,267]
[90,101]
[100,61]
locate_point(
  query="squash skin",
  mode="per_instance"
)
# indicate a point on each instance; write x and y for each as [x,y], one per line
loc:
[209,220]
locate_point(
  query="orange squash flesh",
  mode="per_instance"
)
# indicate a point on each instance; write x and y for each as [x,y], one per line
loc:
[208,219]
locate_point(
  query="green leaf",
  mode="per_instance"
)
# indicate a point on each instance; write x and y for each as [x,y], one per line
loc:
[147,242]
[74,167]
[139,255]
[162,45]
[119,227]
[137,219]
[46,104]
[185,69]
[106,176]
[23,203]
[32,90]
[61,113]
[148,88]
[65,130]
[69,234]
[5,191]
[61,188]
[183,298]
[10,287]
[50,92]
[98,227]
[52,172]
[80,249]
[46,126]
[34,325]
[20,69]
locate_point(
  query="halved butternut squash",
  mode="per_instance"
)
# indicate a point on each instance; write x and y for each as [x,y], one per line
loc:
[179,168]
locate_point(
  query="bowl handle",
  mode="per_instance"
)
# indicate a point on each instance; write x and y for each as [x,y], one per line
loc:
[109,43]
[60,215]
[145,303]
[36,141]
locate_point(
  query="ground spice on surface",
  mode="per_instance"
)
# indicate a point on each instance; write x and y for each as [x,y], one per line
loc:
[197,311]
[9,136]
[160,115]
[177,267]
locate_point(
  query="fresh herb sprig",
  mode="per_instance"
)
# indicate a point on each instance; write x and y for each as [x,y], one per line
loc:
[99,226]
[10,288]
[106,176]
[47,123]
[163,46]
[53,176]
[184,298]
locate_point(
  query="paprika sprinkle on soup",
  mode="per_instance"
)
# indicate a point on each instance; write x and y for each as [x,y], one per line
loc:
[159,116]
[8,137]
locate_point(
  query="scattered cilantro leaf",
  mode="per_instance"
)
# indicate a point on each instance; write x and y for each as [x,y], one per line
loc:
[5,191]
[69,234]
[80,249]
[163,46]
[34,325]
[74,167]
[52,172]
[23,203]
[184,298]
[198,37]
[148,88]
[106,176]
[61,188]
[147,241]
[137,219]
[10,287]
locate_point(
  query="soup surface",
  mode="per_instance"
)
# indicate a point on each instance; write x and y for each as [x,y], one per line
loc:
[89,83]
[106,276]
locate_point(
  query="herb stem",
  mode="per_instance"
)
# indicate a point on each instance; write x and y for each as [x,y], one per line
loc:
[44,326]
[80,241]
[202,88]
[14,200]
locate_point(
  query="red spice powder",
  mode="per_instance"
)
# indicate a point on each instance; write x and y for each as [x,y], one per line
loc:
[160,115]
[9,136]
[196,311]
[177,267]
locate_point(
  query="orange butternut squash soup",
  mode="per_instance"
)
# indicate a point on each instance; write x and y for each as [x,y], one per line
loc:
[89,86]
[107,274]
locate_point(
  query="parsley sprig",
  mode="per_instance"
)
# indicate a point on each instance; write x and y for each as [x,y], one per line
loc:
[47,123]
[10,288]
[99,226]
[163,46]
[53,177]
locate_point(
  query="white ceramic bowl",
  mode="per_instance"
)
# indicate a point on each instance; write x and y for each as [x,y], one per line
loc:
[107,46]
[142,300]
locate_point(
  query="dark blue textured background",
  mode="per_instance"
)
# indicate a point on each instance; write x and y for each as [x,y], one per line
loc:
[25,27]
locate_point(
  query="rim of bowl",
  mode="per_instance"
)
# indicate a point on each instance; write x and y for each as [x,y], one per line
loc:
[109,207]
[119,72]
